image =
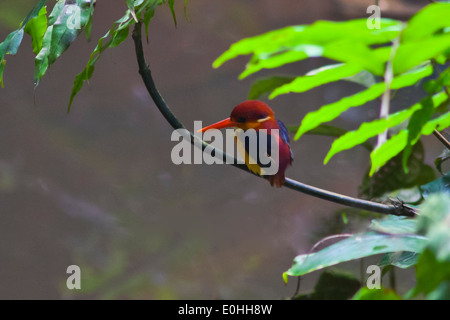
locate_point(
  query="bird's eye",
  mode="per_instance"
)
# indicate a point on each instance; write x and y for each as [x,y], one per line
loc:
[241,119]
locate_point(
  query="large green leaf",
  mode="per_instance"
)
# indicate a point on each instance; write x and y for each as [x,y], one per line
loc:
[356,247]
[36,28]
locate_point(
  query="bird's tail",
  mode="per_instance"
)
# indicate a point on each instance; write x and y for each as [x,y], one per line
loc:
[277,179]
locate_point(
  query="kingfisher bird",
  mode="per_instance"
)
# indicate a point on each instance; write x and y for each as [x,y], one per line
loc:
[254,114]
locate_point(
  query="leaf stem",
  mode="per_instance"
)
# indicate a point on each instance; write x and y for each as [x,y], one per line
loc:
[386,98]
[145,72]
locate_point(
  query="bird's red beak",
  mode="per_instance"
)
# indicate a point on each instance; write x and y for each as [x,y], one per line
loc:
[227,123]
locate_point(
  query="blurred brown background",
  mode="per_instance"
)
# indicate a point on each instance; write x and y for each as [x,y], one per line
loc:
[97,187]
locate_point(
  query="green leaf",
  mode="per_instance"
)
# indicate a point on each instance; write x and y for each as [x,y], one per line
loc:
[119,36]
[36,28]
[33,13]
[392,177]
[430,273]
[434,211]
[130,5]
[64,25]
[356,247]
[115,35]
[391,148]
[364,78]
[148,14]
[11,43]
[265,61]
[57,10]
[332,111]
[381,155]
[9,46]
[316,78]
[186,15]
[321,33]
[372,60]
[322,130]
[368,130]
[329,131]
[333,285]
[266,85]
[411,54]
[376,294]
[442,292]
[88,26]
[434,17]
[402,260]
[440,185]
[2,68]
[439,123]
[394,225]
[445,155]
[415,126]
[172,9]
[267,42]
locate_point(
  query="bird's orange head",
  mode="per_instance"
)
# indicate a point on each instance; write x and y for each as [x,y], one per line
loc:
[249,114]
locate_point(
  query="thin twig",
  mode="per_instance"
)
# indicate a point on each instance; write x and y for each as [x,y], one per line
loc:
[386,98]
[145,73]
[441,138]
[334,236]
[297,288]
[392,279]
